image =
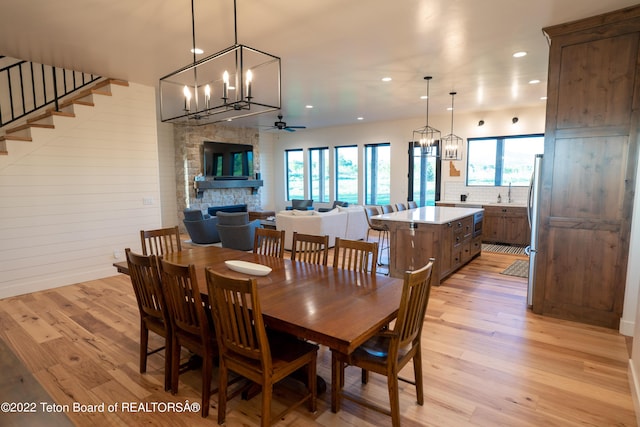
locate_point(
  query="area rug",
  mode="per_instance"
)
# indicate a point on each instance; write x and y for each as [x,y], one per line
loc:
[503,249]
[519,268]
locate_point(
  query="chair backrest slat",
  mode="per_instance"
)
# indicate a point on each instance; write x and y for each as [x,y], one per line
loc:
[238,317]
[310,248]
[182,294]
[160,241]
[355,255]
[147,286]
[413,304]
[269,242]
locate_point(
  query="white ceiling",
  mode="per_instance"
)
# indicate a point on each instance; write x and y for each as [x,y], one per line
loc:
[334,52]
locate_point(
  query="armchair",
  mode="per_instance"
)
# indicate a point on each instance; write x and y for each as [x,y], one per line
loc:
[203,229]
[235,230]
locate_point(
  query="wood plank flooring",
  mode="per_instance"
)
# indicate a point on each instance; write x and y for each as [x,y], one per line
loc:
[488,361]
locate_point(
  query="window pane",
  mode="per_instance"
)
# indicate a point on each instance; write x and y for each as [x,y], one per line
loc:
[319,169]
[347,174]
[424,178]
[377,174]
[502,161]
[518,159]
[295,174]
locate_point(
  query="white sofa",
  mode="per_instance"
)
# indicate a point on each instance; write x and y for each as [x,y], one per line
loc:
[348,223]
[357,224]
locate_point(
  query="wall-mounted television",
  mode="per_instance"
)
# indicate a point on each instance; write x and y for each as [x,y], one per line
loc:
[227,161]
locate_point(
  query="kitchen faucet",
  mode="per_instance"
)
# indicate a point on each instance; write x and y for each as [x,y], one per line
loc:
[509,195]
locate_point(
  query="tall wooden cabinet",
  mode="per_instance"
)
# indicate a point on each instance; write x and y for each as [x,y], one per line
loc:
[589,168]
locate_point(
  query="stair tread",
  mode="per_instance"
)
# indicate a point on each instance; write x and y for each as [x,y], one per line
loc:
[15,138]
[77,102]
[29,125]
[49,114]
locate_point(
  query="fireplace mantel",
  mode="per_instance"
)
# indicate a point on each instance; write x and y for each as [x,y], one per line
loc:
[253,184]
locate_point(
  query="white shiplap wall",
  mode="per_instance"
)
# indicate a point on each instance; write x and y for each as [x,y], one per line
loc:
[72,200]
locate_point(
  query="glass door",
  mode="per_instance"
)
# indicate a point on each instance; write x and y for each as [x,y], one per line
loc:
[424,176]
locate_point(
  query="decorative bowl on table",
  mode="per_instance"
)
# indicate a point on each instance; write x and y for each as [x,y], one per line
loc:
[246,267]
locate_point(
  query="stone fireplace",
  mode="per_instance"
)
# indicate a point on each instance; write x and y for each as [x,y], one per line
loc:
[189,165]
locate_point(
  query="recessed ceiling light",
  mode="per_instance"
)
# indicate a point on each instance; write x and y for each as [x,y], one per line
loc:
[423,97]
[197,51]
[449,108]
[386,79]
[534,82]
[519,54]
[360,118]
[543,98]
[308,106]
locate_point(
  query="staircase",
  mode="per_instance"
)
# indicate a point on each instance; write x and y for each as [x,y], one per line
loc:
[22,132]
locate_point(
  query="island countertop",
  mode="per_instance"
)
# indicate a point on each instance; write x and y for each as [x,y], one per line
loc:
[428,215]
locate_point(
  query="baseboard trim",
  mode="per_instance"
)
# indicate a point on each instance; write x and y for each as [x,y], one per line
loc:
[627,328]
[635,388]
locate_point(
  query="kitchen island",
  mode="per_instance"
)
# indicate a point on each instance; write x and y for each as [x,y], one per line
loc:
[453,236]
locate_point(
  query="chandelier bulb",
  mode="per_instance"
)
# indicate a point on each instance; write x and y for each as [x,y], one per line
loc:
[249,80]
[187,98]
[225,84]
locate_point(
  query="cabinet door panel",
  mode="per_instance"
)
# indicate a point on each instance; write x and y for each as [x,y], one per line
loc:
[583,263]
[591,95]
[587,173]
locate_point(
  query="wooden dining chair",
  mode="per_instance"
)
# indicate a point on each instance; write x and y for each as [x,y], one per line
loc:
[154,316]
[400,207]
[191,324]
[412,204]
[355,255]
[381,229]
[269,242]
[160,241]
[248,350]
[310,248]
[391,349]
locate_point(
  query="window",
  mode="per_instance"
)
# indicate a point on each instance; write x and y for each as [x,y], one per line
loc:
[425,173]
[377,174]
[295,174]
[347,174]
[319,171]
[503,160]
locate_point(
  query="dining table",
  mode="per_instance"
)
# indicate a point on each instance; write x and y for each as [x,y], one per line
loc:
[338,308]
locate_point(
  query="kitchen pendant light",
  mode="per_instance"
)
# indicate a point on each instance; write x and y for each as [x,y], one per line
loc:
[238,81]
[427,137]
[451,143]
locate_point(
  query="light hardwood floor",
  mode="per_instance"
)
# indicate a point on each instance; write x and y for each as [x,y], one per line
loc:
[487,361]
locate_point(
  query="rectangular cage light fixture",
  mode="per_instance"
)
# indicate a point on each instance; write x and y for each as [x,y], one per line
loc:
[236,82]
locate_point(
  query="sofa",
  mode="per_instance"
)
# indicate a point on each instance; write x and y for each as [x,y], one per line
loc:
[346,223]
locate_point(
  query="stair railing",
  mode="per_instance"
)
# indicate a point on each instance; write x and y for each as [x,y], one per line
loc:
[26,87]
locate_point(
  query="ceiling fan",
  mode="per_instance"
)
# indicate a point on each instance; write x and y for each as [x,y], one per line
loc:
[280,125]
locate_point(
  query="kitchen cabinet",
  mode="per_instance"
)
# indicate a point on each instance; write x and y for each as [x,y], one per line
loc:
[589,168]
[444,233]
[506,224]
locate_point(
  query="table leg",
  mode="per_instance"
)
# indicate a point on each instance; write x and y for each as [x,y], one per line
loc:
[336,382]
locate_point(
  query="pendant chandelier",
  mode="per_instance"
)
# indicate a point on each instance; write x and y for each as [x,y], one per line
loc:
[238,81]
[427,137]
[452,144]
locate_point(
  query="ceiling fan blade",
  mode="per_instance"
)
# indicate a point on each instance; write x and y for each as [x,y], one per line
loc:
[289,129]
[297,127]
